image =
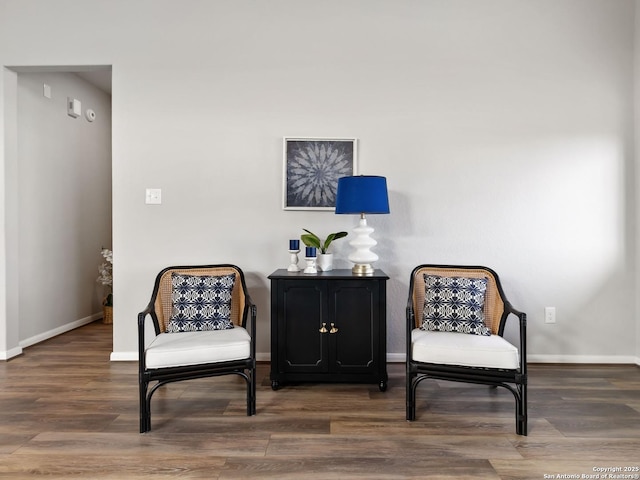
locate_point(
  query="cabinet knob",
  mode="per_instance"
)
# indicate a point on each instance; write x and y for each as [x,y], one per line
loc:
[333,328]
[324,328]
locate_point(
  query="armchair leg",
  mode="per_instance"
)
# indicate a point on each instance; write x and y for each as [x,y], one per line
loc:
[411,416]
[522,415]
[145,411]
[251,393]
[411,398]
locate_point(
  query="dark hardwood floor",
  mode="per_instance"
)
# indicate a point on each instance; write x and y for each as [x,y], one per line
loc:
[67,412]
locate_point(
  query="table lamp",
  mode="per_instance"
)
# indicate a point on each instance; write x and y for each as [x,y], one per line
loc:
[362,194]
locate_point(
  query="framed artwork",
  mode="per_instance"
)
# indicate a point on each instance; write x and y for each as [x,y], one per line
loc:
[312,167]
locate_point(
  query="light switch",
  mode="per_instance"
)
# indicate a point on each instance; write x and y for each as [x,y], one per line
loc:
[153,196]
[46,90]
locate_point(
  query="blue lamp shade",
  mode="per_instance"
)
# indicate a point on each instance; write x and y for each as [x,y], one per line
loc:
[362,194]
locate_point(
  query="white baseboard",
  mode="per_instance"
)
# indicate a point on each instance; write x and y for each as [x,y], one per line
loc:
[14,352]
[260,357]
[263,357]
[124,356]
[400,358]
[578,359]
[8,354]
[59,330]
[396,358]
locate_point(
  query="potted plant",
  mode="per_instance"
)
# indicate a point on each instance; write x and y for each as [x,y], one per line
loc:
[106,279]
[325,259]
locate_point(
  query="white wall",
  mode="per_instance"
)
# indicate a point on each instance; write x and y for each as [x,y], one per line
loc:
[9,266]
[64,202]
[504,127]
[637,165]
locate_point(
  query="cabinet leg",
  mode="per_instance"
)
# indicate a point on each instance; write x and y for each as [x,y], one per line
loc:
[275,385]
[383,385]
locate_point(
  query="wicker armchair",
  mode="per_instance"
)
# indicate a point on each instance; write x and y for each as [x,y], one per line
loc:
[461,357]
[172,357]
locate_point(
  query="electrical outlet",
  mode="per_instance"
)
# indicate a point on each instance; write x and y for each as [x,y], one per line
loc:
[549,314]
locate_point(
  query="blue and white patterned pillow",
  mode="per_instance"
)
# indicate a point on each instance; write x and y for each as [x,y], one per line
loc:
[454,304]
[200,303]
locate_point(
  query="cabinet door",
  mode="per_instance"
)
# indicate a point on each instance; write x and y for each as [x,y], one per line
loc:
[354,309]
[303,348]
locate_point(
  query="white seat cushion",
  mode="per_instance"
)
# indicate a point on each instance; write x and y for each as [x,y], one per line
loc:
[195,348]
[451,348]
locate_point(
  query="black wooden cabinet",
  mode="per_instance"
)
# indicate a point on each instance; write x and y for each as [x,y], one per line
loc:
[328,327]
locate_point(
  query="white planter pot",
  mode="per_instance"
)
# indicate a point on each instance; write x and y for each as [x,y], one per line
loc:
[325,262]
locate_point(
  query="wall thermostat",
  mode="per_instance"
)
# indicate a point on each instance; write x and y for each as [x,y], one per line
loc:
[90,114]
[74,107]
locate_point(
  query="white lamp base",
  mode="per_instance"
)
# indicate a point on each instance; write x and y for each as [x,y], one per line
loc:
[363,257]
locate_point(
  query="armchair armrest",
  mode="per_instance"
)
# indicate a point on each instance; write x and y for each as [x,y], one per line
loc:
[149,311]
[410,325]
[522,318]
[521,315]
[252,311]
[142,316]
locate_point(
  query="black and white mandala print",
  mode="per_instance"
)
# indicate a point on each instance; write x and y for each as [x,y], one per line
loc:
[313,168]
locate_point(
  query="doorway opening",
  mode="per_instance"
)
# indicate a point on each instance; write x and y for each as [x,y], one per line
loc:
[58,198]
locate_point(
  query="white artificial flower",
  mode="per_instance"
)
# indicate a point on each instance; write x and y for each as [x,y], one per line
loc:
[106,269]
